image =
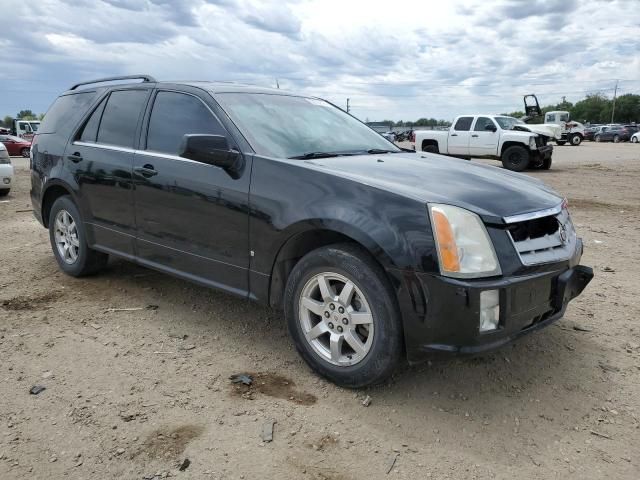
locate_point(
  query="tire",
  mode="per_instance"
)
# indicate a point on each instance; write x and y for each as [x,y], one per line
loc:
[4,192]
[546,164]
[597,138]
[431,149]
[616,139]
[66,227]
[560,142]
[379,341]
[575,139]
[634,139]
[25,152]
[515,158]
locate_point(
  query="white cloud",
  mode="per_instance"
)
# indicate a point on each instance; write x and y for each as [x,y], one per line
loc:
[401,61]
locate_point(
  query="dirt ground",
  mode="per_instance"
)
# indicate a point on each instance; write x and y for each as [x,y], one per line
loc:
[132,394]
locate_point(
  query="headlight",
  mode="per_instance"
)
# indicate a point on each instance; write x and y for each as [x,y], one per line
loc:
[464,247]
[532,143]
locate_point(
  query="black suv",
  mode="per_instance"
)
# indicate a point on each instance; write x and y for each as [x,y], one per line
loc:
[371,251]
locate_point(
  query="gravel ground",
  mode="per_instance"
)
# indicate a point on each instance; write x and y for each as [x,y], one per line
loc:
[132,394]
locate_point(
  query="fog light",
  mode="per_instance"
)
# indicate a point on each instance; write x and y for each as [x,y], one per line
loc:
[489,310]
[6,181]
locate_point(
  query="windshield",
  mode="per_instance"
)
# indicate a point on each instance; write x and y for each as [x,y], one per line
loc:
[286,126]
[507,123]
[34,126]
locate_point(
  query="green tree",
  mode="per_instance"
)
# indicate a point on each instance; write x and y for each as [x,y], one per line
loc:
[627,108]
[595,108]
[26,115]
[7,121]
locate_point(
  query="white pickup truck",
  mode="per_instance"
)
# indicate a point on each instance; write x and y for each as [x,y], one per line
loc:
[490,136]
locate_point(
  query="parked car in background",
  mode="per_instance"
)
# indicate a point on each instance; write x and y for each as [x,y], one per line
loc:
[6,171]
[16,146]
[613,133]
[5,131]
[589,132]
[635,138]
[629,130]
[373,253]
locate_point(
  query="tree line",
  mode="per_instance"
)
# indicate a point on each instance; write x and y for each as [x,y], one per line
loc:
[595,108]
[7,121]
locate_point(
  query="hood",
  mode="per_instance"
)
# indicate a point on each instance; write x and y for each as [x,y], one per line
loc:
[547,129]
[491,192]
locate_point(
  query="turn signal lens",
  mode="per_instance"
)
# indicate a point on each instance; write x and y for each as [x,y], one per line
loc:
[446,242]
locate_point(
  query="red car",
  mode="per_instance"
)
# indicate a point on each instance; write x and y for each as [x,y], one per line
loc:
[16,145]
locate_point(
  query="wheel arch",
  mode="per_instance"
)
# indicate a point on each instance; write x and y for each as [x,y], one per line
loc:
[429,141]
[54,190]
[317,234]
[511,143]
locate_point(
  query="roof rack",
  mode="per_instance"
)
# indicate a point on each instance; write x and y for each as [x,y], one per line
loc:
[145,78]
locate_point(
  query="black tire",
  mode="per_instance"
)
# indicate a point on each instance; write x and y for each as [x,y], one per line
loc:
[357,266]
[431,149]
[616,139]
[88,261]
[515,158]
[4,192]
[597,138]
[575,139]
[25,152]
[560,142]
[546,164]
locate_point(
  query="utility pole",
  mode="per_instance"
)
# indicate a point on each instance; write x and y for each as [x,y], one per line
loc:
[347,105]
[613,110]
[277,84]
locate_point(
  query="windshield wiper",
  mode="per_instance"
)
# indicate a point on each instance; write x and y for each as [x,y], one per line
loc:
[307,156]
[375,151]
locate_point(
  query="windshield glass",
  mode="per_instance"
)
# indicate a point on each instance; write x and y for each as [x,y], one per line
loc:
[507,123]
[288,126]
[34,126]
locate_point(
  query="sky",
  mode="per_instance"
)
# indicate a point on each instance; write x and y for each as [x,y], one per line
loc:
[393,60]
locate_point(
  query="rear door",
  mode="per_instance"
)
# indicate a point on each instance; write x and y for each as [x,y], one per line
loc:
[483,142]
[101,159]
[192,218]
[459,136]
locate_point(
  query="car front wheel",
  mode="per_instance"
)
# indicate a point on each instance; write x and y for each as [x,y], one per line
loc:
[515,158]
[25,152]
[68,240]
[343,317]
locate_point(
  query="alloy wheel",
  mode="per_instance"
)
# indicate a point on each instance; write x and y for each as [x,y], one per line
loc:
[66,237]
[336,319]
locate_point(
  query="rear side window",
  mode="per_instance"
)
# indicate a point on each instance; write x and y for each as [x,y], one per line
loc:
[120,117]
[66,110]
[174,115]
[463,124]
[90,130]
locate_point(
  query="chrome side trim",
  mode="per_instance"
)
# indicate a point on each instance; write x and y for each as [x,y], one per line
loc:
[104,146]
[533,215]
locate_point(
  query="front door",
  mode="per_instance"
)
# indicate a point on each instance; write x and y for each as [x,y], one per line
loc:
[192,218]
[101,159]
[459,137]
[483,142]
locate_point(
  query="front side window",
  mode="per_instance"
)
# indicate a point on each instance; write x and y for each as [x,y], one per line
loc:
[482,123]
[120,117]
[285,126]
[175,115]
[463,124]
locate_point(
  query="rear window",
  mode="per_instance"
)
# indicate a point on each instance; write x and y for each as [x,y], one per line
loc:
[66,110]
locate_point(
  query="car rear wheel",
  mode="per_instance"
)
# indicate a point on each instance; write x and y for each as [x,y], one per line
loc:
[616,139]
[68,240]
[343,316]
[515,158]
[430,149]
[25,152]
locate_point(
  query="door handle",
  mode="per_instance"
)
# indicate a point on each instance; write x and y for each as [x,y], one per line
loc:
[146,170]
[75,158]
[454,134]
[474,135]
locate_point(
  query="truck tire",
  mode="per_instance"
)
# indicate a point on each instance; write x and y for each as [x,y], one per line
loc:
[343,316]
[546,164]
[575,139]
[430,149]
[515,158]
[560,142]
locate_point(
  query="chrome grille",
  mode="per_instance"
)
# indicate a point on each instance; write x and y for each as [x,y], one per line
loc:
[545,239]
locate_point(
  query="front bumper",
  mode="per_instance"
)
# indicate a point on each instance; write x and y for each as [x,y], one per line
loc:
[441,315]
[545,151]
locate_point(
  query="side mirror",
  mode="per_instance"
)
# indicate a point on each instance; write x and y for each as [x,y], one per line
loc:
[212,150]
[490,128]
